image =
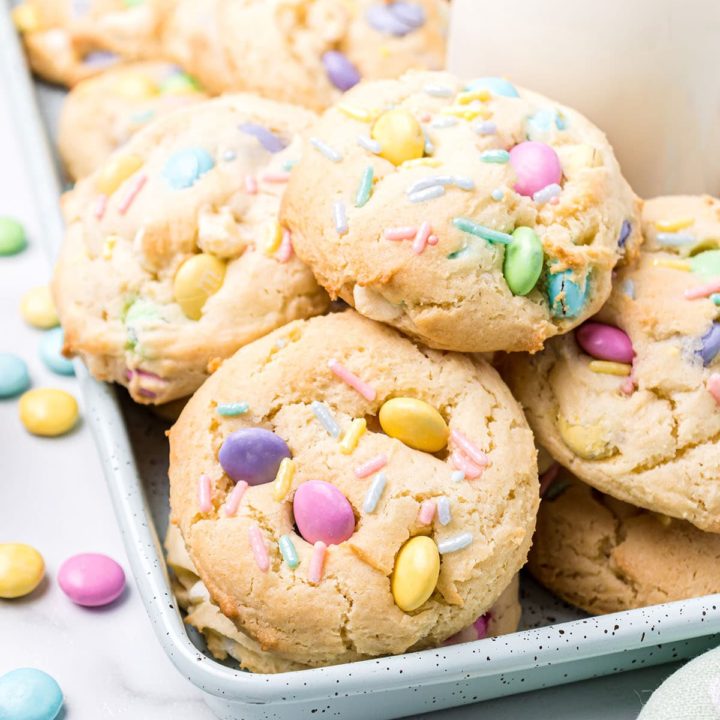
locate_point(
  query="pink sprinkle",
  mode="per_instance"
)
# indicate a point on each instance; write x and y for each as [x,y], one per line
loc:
[713,386]
[205,493]
[461,462]
[433,240]
[628,385]
[482,624]
[132,193]
[146,393]
[257,543]
[421,238]
[472,451]
[100,206]
[702,291]
[338,369]
[425,117]
[285,251]
[400,233]
[317,560]
[371,466]
[427,512]
[276,177]
[548,477]
[233,502]
[250,185]
[555,200]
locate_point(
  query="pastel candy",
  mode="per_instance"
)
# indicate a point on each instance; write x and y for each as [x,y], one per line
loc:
[48,411]
[21,570]
[400,136]
[323,513]
[586,441]
[12,236]
[340,71]
[605,342]
[253,455]
[29,694]
[196,280]
[395,18]
[415,423]
[91,579]
[116,171]
[567,298]
[179,83]
[494,85]
[271,142]
[536,166]
[523,262]
[710,344]
[135,86]
[185,167]
[416,572]
[51,345]
[38,309]
[14,376]
[706,263]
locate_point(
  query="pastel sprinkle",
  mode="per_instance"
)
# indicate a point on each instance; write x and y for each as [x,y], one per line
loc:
[288,165]
[429,147]
[672,264]
[422,237]
[499,157]
[325,418]
[229,155]
[271,142]
[675,224]
[628,287]
[443,509]
[100,206]
[370,466]
[375,492]
[713,386]
[324,149]
[288,551]
[251,186]
[365,188]
[457,476]
[497,194]
[259,549]
[340,371]
[431,193]
[455,543]
[205,493]
[354,112]
[236,495]
[710,344]
[443,122]
[369,144]
[283,479]
[628,385]
[317,560]
[340,217]
[674,239]
[421,162]
[702,291]
[441,91]
[485,127]
[469,469]
[433,240]
[133,191]
[469,448]
[352,436]
[492,236]
[400,233]
[285,251]
[281,176]
[273,237]
[460,181]
[232,409]
[469,96]
[607,367]
[427,512]
[548,193]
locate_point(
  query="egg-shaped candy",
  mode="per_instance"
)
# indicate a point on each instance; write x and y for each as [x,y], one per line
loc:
[323,513]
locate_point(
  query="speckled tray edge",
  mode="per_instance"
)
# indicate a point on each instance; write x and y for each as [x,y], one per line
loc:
[384,688]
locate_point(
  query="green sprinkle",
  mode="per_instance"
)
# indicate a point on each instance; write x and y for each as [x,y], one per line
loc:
[232,409]
[458,253]
[288,551]
[556,489]
[492,236]
[365,189]
[288,165]
[495,156]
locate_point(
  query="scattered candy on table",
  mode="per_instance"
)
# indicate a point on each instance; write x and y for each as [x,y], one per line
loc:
[38,309]
[51,345]
[12,236]
[91,579]
[48,411]
[21,570]
[29,694]
[14,376]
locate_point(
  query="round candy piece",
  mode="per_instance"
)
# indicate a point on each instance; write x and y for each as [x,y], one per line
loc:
[116,171]
[29,694]
[51,345]
[12,236]
[523,262]
[253,455]
[340,71]
[14,377]
[91,579]
[48,411]
[322,512]
[494,85]
[706,263]
[710,344]
[605,342]
[179,83]
[185,167]
[536,166]
[586,441]
[415,423]
[565,295]
[135,86]
[21,570]
[400,136]
[196,280]
[38,309]
[416,572]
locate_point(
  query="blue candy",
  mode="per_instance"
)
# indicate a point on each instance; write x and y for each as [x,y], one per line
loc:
[543,122]
[566,297]
[29,694]
[14,377]
[50,352]
[186,167]
[496,85]
[710,344]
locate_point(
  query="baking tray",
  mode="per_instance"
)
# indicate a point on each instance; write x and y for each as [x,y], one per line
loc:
[558,644]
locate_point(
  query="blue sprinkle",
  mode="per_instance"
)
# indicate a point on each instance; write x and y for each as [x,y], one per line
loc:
[547,193]
[365,188]
[51,345]
[455,543]
[674,239]
[710,344]
[443,122]
[340,217]
[288,165]
[185,167]
[497,194]
[232,409]
[464,183]
[624,233]
[628,288]
[495,85]
[429,147]
[441,91]
[369,144]
[542,122]
[485,127]
[374,492]
[486,233]
[457,476]
[288,551]
[229,155]
[443,510]
[271,142]
[431,193]
[566,297]
[323,148]
[495,156]
[322,413]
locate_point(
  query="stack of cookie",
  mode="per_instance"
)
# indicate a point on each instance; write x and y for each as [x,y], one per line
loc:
[368,460]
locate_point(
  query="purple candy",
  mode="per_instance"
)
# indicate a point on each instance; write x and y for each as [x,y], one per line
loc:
[342,73]
[100,58]
[605,342]
[322,512]
[253,455]
[395,18]
[710,344]
[91,579]
[624,233]
[271,142]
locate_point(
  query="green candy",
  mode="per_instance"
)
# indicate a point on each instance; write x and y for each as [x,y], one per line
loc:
[12,237]
[706,263]
[523,261]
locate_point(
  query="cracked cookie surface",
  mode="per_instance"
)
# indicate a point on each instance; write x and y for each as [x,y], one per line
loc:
[349,613]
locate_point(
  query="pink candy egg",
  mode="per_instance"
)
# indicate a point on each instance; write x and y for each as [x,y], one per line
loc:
[322,512]
[605,342]
[91,579]
[536,166]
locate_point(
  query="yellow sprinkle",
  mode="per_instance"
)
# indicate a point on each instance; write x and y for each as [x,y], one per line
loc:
[467,112]
[673,264]
[108,246]
[675,224]
[605,367]
[352,436]
[420,162]
[283,479]
[273,238]
[354,112]
[465,98]
[26,18]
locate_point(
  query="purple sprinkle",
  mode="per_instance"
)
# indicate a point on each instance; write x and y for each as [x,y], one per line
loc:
[395,18]
[100,58]
[342,73]
[624,233]
[710,344]
[271,142]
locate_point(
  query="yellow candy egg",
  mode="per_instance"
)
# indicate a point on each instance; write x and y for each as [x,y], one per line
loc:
[416,572]
[400,136]
[135,86]
[48,412]
[414,423]
[196,280]
[38,309]
[586,441]
[116,171]
[26,18]
[21,569]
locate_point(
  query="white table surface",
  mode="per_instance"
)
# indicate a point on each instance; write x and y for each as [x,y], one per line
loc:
[53,496]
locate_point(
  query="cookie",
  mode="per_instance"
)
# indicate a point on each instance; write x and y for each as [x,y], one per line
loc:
[304,52]
[630,402]
[604,555]
[473,216]
[102,113]
[225,640]
[173,256]
[344,493]
[69,40]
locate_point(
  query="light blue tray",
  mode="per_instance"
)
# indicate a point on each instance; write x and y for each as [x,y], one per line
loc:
[558,649]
